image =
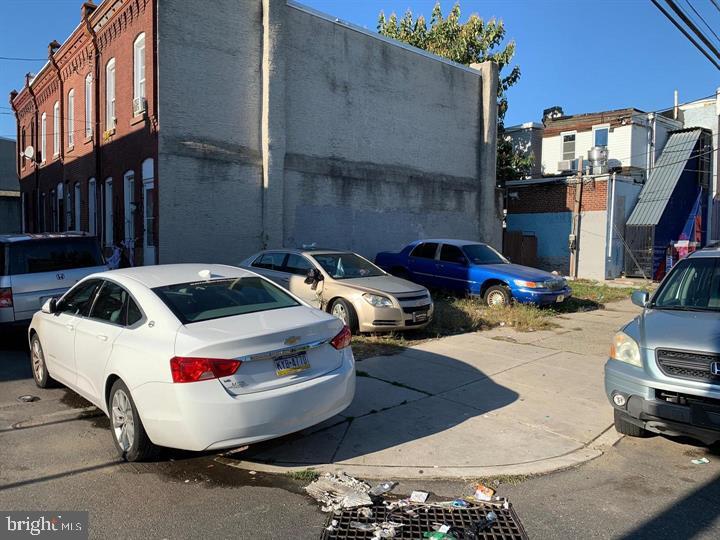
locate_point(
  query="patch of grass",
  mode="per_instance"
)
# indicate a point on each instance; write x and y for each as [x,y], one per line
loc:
[589,295]
[305,475]
[506,479]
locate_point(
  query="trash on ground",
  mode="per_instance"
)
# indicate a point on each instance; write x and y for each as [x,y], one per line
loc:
[419,496]
[700,461]
[365,512]
[383,488]
[28,399]
[337,491]
[483,493]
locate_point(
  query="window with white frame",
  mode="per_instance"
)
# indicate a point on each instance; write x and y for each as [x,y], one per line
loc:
[71,117]
[600,136]
[56,128]
[110,95]
[88,106]
[43,136]
[568,146]
[139,67]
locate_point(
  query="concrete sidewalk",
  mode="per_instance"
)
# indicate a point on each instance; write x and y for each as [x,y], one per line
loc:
[480,404]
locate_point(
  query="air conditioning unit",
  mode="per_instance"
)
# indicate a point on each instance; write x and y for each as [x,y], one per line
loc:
[139,106]
[567,165]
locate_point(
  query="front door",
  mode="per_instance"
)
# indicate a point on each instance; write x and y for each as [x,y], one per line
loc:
[296,269]
[149,256]
[453,269]
[421,264]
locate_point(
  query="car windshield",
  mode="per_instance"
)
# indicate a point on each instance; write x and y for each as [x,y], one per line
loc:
[207,300]
[347,266]
[482,254]
[693,285]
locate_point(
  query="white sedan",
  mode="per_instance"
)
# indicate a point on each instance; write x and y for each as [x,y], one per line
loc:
[193,356]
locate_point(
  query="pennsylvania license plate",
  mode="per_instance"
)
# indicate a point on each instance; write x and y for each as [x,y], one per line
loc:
[291,364]
[560,298]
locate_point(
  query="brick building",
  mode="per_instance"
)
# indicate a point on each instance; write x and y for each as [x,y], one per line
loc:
[90,114]
[271,125]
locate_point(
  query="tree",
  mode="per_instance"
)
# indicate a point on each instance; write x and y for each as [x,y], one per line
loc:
[473,41]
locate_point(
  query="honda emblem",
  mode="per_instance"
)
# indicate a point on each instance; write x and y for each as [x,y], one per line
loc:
[715,368]
[60,275]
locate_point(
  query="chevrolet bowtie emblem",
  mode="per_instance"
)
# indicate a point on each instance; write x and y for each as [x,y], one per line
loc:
[292,340]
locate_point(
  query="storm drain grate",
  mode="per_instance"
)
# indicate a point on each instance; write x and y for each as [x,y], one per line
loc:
[506,527]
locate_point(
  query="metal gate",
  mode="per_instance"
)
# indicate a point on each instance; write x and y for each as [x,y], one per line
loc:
[639,250]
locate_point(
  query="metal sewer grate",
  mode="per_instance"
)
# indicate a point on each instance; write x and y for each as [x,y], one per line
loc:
[507,526]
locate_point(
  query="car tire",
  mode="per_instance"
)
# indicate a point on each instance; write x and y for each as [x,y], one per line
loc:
[345,311]
[624,427]
[39,367]
[497,295]
[127,429]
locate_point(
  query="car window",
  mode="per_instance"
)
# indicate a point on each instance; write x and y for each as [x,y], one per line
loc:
[133,313]
[53,255]
[207,300]
[270,261]
[297,264]
[453,254]
[78,300]
[347,266]
[424,251]
[694,284]
[110,304]
[483,254]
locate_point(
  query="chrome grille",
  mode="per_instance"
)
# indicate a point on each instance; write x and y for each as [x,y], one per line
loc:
[687,365]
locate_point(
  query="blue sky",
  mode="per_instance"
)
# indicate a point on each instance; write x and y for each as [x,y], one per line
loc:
[584,56]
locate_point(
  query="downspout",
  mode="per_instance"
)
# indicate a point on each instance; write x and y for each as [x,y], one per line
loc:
[612,217]
[650,144]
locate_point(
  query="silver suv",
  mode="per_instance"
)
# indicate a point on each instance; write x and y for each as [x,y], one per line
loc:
[663,374]
[37,267]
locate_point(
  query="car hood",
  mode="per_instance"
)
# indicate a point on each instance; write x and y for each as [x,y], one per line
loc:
[385,284]
[690,330]
[517,271]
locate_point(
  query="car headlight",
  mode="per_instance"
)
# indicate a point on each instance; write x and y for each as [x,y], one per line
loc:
[625,349]
[377,300]
[529,284]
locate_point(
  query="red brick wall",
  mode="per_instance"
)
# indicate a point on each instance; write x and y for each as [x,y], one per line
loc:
[542,198]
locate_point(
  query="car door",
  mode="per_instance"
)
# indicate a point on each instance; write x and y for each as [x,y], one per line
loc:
[452,268]
[296,269]
[421,263]
[270,265]
[59,330]
[95,335]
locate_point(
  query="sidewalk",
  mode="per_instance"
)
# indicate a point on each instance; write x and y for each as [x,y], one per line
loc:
[492,403]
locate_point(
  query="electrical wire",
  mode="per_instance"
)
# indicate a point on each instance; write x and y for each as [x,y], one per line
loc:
[17,59]
[702,19]
[686,34]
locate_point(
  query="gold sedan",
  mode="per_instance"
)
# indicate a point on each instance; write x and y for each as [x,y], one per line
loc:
[347,285]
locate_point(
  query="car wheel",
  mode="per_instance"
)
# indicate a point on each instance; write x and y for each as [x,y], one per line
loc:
[39,367]
[128,432]
[625,427]
[344,311]
[497,295]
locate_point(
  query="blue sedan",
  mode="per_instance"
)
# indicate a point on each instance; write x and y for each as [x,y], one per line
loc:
[473,268]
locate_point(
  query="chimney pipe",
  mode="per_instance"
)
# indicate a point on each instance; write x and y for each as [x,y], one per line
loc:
[675,107]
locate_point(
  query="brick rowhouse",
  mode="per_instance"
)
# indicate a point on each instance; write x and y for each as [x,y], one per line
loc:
[94,166]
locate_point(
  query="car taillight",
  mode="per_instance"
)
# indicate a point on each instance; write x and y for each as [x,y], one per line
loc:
[200,369]
[342,340]
[6,297]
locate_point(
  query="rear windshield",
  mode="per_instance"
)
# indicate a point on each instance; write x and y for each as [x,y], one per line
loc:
[37,256]
[207,300]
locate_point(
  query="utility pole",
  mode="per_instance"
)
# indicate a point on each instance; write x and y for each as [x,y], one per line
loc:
[574,239]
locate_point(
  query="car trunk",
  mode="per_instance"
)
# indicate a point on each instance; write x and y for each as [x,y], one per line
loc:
[277,347]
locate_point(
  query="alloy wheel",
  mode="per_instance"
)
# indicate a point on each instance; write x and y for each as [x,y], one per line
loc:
[340,312]
[38,362]
[496,298]
[123,421]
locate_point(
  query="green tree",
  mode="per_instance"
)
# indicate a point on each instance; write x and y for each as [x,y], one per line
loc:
[472,41]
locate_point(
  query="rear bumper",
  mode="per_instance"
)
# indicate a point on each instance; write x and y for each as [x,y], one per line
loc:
[541,298]
[203,415]
[696,415]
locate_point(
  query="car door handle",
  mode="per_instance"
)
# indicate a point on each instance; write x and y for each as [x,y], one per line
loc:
[102,337]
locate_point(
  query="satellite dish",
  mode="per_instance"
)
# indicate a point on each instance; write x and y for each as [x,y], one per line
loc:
[29,152]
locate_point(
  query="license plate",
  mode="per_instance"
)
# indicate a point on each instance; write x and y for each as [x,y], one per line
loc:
[420,316]
[560,298]
[291,364]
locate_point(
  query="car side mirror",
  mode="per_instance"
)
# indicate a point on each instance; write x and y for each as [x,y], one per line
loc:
[640,298]
[313,276]
[50,306]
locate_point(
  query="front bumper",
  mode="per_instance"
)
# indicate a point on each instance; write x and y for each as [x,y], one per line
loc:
[541,297]
[695,413]
[389,319]
[203,415]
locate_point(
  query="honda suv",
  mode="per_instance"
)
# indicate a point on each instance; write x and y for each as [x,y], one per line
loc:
[663,375]
[37,267]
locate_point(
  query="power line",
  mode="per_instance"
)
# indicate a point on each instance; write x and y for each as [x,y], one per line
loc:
[17,59]
[691,25]
[715,3]
[685,33]
[702,19]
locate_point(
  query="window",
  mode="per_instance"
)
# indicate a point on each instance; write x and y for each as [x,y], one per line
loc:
[110,95]
[88,106]
[108,224]
[38,256]
[92,207]
[452,254]
[133,313]
[56,129]
[110,303]
[270,261]
[139,67]
[297,264]
[43,137]
[129,185]
[347,266]
[71,118]
[43,213]
[601,136]
[77,207]
[483,254]
[207,300]
[69,209]
[60,211]
[425,250]
[693,285]
[53,211]
[568,146]
[78,300]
